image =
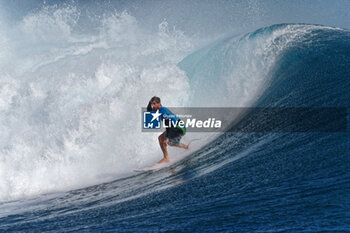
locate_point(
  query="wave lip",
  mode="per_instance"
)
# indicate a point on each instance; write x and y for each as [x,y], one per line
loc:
[237,70]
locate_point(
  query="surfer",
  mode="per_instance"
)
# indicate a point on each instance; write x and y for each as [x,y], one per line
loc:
[173,132]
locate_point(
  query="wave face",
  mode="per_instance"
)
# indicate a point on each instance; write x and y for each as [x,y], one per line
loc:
[64,126]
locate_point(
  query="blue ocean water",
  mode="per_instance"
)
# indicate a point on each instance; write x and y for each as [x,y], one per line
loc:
[239,182]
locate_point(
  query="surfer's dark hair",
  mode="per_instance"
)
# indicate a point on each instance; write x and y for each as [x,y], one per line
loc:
[155,98]
[149,106]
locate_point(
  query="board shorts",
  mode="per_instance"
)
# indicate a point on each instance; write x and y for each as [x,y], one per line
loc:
[174,134]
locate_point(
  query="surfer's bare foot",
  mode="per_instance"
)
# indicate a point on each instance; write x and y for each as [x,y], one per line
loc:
[187,147]
[164,160]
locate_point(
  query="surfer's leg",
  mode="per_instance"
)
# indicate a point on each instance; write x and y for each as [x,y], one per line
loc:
[184,146]
[181,145]
[175,140]
[163,144]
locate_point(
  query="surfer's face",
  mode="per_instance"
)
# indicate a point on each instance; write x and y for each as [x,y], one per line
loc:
[155,105]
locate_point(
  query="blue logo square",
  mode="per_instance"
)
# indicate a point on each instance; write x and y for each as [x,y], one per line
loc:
[147,120]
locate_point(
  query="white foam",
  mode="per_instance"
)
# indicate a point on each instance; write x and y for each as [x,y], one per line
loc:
[72,109]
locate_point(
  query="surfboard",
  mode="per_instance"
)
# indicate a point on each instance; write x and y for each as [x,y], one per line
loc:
[158,166]
[152,168]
